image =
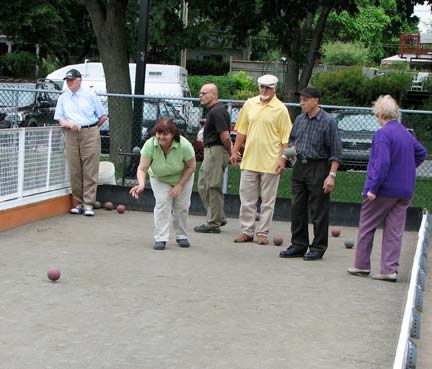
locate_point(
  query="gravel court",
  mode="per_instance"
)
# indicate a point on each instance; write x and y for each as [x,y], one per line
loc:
[121,304]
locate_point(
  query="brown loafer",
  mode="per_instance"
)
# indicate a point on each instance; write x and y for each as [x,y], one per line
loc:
[243,238]
[262,239]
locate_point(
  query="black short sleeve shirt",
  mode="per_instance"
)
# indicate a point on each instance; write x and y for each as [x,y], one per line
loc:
[217,121]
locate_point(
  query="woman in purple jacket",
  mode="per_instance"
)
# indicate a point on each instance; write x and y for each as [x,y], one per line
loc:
[388,191]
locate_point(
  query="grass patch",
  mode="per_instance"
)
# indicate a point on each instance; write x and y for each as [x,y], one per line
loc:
[349,186]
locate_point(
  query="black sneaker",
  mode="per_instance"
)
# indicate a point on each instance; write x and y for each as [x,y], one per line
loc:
[159,245]
[205,229]
[183,242]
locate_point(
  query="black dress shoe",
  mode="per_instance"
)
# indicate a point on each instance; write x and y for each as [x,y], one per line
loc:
[292,252]
[205,229]
[313,255]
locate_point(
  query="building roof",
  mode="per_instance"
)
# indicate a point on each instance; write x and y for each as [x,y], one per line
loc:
[426,38]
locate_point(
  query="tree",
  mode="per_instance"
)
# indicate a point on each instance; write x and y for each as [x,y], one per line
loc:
[297,26]
[376,25]
[109,24]
[61,28]
[112,23]
[67,29]
[344,53]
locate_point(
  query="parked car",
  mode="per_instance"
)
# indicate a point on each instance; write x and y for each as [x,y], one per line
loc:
[199,142]
[356,129]
[235,111]
[29,108]
[152,112]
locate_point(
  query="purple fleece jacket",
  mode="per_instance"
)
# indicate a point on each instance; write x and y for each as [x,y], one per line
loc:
[395,155]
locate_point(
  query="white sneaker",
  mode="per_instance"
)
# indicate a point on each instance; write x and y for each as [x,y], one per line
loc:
[88,212]
[77,209]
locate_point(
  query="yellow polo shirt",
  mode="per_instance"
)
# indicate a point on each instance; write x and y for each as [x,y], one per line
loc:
[267,127]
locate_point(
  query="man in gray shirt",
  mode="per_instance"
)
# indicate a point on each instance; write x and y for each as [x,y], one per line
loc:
[318,147]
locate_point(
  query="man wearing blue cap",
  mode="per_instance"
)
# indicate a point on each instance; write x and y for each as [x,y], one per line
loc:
[81,113]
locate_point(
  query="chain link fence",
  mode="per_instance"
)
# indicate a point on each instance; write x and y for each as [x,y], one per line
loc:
[133,117]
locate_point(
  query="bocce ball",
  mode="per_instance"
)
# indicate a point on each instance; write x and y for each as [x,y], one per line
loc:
[121,209]
[278,240]
[335,232]
[109,205]
[53,274]
[349,244]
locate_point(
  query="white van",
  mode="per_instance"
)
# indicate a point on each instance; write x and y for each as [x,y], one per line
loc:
[161,79]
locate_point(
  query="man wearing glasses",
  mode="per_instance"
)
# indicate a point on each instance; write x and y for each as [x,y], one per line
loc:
[217,152]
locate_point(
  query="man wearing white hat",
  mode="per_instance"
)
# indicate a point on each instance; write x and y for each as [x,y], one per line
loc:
[263,126]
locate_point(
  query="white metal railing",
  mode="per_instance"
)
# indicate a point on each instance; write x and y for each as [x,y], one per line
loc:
[32,162]
[406,352]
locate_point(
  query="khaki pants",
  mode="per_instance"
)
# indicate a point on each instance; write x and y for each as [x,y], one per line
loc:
[251,185]
[210,182]
[167,207]
[83,155]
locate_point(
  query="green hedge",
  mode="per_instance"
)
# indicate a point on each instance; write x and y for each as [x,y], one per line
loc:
[18,64]
[237,86]
[352,88]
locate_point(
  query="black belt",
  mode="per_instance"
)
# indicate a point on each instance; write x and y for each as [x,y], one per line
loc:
[306,160]
[90,125]
[211,145]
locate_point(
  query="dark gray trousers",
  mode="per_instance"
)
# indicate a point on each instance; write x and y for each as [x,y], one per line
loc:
[307,193]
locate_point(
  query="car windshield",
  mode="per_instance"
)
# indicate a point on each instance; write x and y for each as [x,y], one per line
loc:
[166,111]
[357,122]
[154,111]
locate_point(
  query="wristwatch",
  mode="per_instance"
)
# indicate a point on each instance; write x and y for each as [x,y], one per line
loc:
[332,174]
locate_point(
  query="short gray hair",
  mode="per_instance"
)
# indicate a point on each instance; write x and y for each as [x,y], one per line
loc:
[387,107]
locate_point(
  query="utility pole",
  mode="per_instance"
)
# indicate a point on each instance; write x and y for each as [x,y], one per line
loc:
[140,72]
[185,16]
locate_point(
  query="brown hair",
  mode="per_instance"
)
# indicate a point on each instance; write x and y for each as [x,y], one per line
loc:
[166,125]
